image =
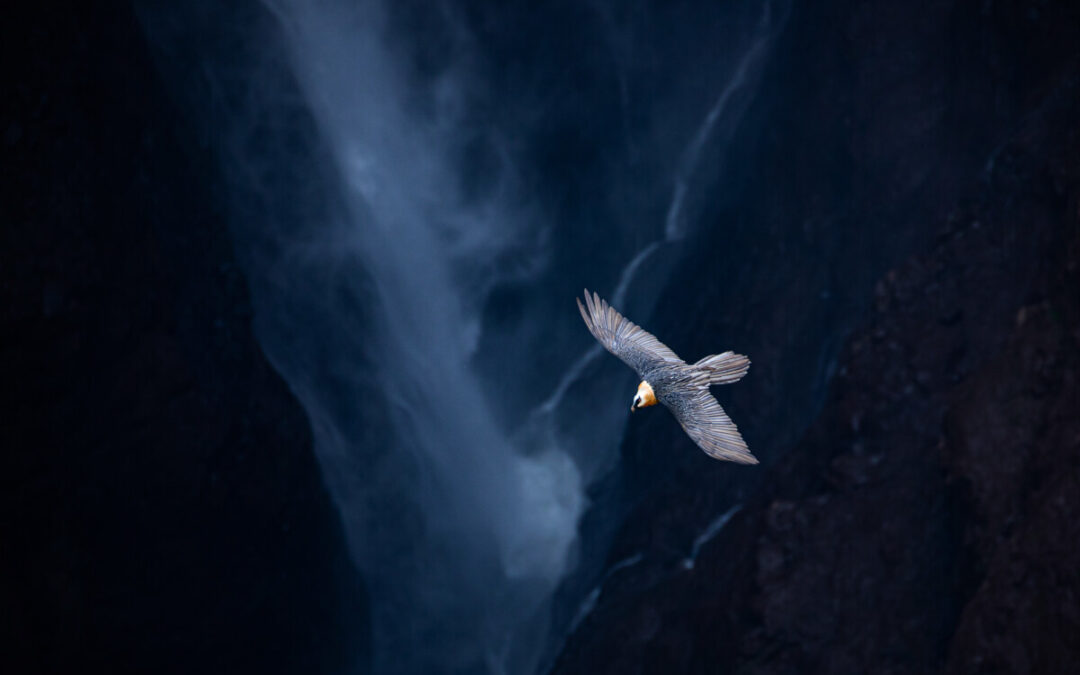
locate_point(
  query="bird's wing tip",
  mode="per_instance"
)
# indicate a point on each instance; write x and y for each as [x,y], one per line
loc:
[740,457]
[584,313]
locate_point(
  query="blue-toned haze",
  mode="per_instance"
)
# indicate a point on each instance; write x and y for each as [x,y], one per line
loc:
[417,193]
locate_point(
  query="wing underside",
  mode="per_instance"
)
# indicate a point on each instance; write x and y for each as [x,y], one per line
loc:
[637,347]
[709,426]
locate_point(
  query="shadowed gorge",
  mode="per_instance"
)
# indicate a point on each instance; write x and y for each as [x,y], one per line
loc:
[295,382]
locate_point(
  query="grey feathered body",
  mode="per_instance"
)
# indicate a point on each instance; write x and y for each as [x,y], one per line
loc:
[683,388]
[673,384]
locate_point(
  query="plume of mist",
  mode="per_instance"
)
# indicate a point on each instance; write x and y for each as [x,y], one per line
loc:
[371,259]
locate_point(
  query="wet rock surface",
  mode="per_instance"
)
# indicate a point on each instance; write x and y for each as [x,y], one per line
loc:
[162,509]
[921,524]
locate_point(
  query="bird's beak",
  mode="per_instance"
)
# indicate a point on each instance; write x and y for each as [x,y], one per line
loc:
[632,407]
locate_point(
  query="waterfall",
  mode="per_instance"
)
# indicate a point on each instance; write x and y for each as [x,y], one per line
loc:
[497,523]
[370,262]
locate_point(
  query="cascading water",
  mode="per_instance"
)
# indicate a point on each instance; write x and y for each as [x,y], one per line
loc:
[371,260]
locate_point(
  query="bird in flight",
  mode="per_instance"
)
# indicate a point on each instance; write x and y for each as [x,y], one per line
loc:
[665,378]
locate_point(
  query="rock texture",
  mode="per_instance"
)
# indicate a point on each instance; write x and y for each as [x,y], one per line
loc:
[922,523]
[162,510]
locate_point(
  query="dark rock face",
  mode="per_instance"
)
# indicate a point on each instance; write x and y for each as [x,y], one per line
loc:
[162,507]
[163,511]
[923,522]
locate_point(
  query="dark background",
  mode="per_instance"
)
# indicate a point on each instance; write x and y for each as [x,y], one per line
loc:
[918,162]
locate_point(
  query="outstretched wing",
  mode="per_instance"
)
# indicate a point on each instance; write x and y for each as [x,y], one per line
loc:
[706,422]
[637,347]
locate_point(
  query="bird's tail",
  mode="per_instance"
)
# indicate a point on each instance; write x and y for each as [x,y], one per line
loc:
[723,368]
